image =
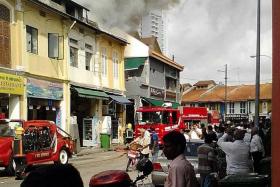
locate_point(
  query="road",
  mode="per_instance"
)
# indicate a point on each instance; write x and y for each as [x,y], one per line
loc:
[88,166]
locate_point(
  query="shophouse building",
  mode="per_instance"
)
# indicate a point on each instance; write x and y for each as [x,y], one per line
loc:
[151,77]
[55,61]
[240,100]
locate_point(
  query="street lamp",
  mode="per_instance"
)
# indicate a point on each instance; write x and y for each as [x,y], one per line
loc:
[226,78]
[257,98]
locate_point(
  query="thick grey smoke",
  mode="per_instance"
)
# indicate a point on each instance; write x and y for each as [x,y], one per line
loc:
[124,14]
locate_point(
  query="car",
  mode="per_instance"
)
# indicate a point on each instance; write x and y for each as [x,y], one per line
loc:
[161,164]
[42,141]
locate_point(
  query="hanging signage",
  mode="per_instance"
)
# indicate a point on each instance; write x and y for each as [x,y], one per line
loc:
[44,89]
[11,84]
[157,92]
[171,95]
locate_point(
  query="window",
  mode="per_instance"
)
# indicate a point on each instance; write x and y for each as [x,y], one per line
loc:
[31,39]
[104,61]
[242,107]
[73,56]
[249,107]
[88,60]
[5,37]
[192,105]
[116,65]
[53,47]
[231,108]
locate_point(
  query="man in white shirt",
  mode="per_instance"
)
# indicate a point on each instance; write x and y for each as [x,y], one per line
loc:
[256,148]
[237,153]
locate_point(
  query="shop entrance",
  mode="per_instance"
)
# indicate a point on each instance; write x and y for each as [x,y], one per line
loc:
[43,109]
[4,106]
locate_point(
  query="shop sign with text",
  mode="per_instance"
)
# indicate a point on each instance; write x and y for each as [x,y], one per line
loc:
[44,89]
[11,84]
[157,92]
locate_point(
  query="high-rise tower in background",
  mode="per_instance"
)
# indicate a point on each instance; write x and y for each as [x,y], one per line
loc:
[154,24]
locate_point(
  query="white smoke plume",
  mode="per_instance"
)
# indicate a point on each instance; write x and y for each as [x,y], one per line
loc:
[124,14]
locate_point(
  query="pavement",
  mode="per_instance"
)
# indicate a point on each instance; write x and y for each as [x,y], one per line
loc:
[93,150]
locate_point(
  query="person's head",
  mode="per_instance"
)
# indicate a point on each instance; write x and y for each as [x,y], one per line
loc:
[221,129]
[53,175]
[254,131]
[208,139]
[174,144]
[202,125]
[210,128]
[152,129]
[142,132]
[238,134]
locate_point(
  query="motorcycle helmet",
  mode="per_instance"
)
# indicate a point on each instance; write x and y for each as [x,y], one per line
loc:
[145,165]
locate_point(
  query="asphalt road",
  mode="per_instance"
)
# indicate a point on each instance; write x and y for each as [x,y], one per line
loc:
[88,166]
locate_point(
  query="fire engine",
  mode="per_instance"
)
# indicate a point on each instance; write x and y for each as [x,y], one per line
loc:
[165,118]
[40,141]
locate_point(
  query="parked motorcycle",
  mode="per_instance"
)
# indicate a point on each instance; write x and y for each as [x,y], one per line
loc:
[119,178]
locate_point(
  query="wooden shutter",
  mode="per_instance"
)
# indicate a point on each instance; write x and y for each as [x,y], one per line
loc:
[5,49]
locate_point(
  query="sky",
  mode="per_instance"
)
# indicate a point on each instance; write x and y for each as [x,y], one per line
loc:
[203,35]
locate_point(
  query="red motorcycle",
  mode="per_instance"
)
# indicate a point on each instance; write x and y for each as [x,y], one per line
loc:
[119,178]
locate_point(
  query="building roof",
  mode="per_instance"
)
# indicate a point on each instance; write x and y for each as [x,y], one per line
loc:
[234,93]
[205,83]
[165,60]
[152,43]
[193,95]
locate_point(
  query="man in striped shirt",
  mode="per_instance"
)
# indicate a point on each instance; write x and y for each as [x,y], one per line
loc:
[206,158]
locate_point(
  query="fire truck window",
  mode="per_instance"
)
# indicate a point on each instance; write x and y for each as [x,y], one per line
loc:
[5,130]
[174,118]
[44,139]
[30,139]
[165,116]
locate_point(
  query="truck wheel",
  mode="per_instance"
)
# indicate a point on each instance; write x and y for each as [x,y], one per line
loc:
[63,157]
[11,168]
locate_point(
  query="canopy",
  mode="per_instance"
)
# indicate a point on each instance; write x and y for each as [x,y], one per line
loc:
[134,63]
[156,102]
[120,99]
[90,93]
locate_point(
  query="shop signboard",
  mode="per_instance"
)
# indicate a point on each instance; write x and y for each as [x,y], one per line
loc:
[171,95]
[44,89]
[11,84]
[157,92]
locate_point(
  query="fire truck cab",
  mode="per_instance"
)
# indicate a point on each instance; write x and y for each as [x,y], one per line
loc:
[162,119]
[41,141]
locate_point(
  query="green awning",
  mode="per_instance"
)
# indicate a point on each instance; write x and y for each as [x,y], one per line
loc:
[154,102]
[134,63]
[90,93]
[175,105]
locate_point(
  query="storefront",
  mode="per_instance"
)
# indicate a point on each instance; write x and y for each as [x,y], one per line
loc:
[86,106]
[11,90]
[44,100]
[116,109]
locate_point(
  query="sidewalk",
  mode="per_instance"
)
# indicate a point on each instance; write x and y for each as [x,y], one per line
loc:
[93,150]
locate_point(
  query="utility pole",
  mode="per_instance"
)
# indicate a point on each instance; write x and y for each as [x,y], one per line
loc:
[226,78]
[225,99]
[257,97]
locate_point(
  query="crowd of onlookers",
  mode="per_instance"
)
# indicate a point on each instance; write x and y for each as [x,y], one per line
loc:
[231,148]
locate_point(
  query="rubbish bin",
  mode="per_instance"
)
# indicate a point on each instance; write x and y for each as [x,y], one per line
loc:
[105,140]
[248,180]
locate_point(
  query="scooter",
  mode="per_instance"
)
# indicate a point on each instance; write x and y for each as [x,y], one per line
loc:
[119,178]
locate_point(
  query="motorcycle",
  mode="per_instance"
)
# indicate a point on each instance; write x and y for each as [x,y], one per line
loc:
[119,178]
[133,154]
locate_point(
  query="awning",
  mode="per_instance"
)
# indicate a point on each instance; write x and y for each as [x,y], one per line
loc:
[90,93]
[134,63]
[120,99]
[175,105]
[156,102]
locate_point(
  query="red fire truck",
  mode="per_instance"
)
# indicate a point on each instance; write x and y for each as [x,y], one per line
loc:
[165,119]
[42,141]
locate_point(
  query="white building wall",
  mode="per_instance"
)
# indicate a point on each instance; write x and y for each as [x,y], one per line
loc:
[14,107]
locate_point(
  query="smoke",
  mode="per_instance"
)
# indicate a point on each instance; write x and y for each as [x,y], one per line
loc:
[124,14]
